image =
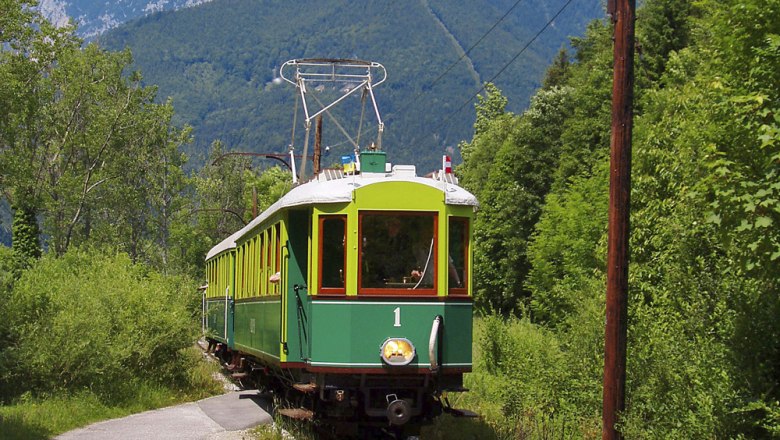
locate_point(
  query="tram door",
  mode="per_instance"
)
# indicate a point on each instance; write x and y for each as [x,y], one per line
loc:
[294,332]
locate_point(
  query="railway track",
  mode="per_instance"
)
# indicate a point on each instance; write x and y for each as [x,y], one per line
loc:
[287,406]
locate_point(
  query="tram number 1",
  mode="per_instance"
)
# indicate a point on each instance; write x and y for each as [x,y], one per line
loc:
[397,313]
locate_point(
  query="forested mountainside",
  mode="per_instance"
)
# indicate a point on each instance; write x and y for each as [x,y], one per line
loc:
[217,62]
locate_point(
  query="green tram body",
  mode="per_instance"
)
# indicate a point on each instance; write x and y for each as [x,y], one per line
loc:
[324,321]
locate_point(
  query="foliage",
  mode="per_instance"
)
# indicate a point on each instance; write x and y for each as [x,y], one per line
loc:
[585,131]
[7,267]
[222,203]
[558,72]
[568,249]
[664,26]
[488,108]
[704,243]
[528,383]
[269,185]
[99,322]
[479,154]
[513,193]
[221,189]
[83,143]
[8,270]
[26,247]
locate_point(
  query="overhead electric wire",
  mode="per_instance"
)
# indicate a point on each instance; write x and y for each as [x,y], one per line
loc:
[416,97]
[475,44]
[451,115]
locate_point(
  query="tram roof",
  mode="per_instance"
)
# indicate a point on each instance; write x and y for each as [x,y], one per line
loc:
[339,191]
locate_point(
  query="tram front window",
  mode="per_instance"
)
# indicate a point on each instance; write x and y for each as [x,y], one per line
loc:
[398,251]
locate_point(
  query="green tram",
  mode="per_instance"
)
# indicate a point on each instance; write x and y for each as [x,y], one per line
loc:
[353,291]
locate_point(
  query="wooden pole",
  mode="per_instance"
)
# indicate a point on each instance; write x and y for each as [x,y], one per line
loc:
[317,145]
[622,12]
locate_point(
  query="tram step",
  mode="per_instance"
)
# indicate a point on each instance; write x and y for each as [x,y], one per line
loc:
[297,413]
[305,387]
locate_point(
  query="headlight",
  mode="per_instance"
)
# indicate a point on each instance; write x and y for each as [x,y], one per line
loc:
[397,351]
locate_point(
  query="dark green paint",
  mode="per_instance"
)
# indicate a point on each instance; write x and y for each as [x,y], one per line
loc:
[257,325]
[299,229]
[350,333]
[215,322]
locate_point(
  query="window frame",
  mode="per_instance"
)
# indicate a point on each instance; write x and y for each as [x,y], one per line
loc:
[394,291]
[464,289]
[334,291]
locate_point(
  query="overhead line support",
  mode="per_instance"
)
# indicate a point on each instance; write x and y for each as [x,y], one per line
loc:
[622,13]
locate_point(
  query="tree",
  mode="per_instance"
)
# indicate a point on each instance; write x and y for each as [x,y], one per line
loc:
[269,184]
[83,145]
[26,247]
[478,154]
[220,189]
[664,27]
[29,47]
[558,72]
[517,182]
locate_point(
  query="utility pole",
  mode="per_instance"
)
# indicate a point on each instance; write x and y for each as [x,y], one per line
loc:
[622,14]
[317,144]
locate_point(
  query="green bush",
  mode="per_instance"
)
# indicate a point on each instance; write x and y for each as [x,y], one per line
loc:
[6,272]
[530,382]
[7,269]
[93,319]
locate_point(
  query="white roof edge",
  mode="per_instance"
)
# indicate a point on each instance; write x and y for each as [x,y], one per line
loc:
[222,246]
[340,191]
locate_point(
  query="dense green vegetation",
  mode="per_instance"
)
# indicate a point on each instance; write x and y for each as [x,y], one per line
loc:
[217,62]
[90,335]
[705,242]
[98,307]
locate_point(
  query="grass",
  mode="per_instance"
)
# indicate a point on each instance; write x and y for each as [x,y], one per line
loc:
[42,417]
[508,402]
[284,429]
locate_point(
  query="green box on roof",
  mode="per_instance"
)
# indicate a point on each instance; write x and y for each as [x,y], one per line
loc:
[373,161]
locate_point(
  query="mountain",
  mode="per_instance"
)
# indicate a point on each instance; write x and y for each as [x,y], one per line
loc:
[218,62]
[94,18]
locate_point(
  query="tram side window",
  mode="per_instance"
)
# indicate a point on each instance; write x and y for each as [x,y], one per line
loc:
[277,258]
[261,271]
[458,255]
[398,251]
[332,253]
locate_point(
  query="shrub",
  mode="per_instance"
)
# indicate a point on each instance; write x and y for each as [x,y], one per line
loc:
[530,382]
[93,319]
[7,267]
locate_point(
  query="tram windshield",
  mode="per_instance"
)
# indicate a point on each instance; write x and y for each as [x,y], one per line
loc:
[398,251]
